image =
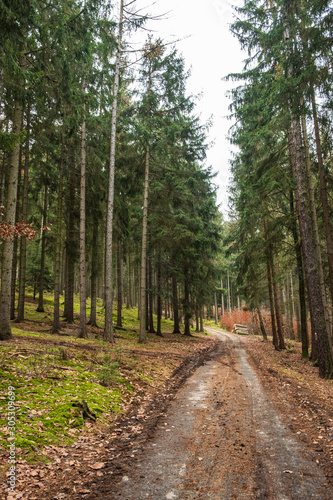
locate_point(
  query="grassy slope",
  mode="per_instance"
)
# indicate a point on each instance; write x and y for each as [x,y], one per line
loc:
[51,372]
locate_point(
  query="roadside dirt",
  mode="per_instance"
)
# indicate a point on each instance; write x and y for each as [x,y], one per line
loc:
[223,438]
[250,423]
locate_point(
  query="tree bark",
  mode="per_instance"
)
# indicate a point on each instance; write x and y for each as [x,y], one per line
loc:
[108,327]
[23,241]
[70,253]
[315,229]
[119,283]
[150,297]
[143,285]
[10,212]
[94,272]
[271,301]
[301,282]
[309,247]
[15,246]
[323,195]
[262,326]
[40,307]
[222,300]
[187,308]
[175,306]
[277,301]
[201,320]
[159,299]
[83,307]
[57,265]
[216,310]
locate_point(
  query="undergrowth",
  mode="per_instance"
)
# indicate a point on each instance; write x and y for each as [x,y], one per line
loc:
[51,381]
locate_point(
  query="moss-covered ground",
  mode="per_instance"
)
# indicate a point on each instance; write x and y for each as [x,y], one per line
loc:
[54,374]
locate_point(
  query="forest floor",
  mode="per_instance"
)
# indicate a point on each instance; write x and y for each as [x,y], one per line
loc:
[195,404]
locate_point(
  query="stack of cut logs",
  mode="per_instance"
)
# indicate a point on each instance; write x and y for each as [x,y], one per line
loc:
[240,329]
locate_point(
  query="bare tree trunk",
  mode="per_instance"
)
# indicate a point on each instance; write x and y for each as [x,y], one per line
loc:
[201,320]
[197,325]
[262,326]
[187,309]
[222,299]
[216,310]
[94,272]
[40,307]
[175,306]
[108,328]
[57,265]
[119,282]
[159,298]
[229,294]
[301,282]
[23,242]
[129,301]
[143,286]
[271,301]
[70,256]
[310,252]
[15,246]
[278,313]
[324,198]
[10,212]
[150,297]
[83,307]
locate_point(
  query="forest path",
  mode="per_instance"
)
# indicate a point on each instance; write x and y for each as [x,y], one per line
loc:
[222,439]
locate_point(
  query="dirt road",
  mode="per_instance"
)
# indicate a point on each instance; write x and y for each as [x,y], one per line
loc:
[222,439]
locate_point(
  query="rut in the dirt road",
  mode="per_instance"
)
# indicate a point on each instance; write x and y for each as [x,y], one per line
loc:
[222,439]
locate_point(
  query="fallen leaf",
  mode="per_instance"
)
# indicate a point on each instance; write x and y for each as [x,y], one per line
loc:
[98,465]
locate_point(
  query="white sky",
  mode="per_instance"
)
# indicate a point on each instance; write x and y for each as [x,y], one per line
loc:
[211,52]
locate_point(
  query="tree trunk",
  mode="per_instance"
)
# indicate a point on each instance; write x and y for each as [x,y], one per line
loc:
[108,327]
[216,310]
[197,325]
[40,307]
[229,294]
[277,301]
[23,240]
[119,283]
[201,320]
[222,300]
[159,299]
[323,195]
[310,253]
[175,306]
[57,264]
[94,272]
[315,229]
[7,255]
[187,309]
[83,301]
[129,301]
[15,246]
[271,301]
[262,326]
[143,295]
[70,253]
[301,282]
[150,297]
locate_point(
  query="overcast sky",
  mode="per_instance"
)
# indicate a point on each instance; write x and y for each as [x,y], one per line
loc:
[211,52]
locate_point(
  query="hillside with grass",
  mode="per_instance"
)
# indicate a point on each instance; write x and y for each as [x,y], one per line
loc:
[67,387]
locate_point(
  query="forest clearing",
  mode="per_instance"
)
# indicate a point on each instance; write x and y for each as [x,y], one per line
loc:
[121,278]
